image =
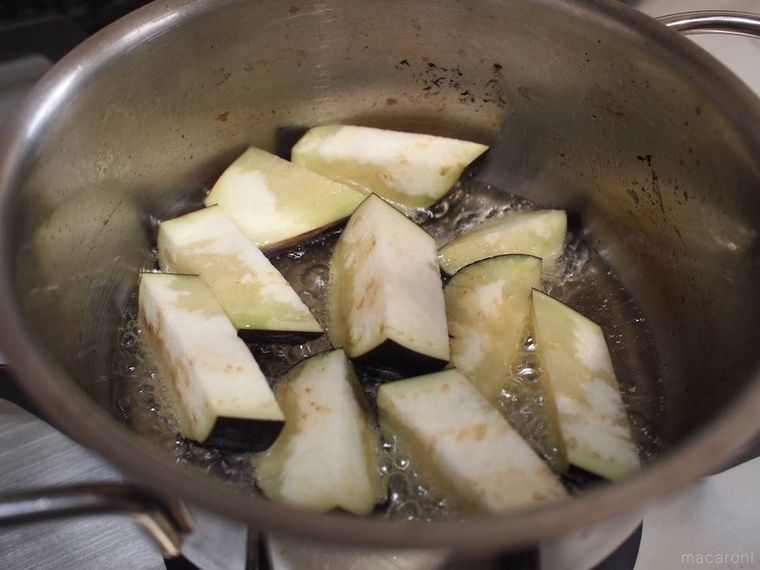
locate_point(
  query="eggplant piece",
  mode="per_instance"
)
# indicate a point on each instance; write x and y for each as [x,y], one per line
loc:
[488,306]
[540,233]
[385,297]
[328,455]
[205,368]
[578,371]
[277,203]
[488,310]
[462,444]
[243,436]
[409,170]
[256,297]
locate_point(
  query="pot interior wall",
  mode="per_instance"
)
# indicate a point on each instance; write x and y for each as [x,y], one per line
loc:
[581,113]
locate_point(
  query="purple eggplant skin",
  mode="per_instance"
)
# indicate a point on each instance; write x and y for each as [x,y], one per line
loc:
[243,436]
[390,354]
[256,336]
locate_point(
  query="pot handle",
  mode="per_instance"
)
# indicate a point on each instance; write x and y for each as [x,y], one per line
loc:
[163,520]
[714,22]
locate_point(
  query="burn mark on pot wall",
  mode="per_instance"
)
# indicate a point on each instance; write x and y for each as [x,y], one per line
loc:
[654,182]
[495,86]
[225,76]
[436,79]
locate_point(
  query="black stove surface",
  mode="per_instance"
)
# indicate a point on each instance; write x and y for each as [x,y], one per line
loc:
[87,15]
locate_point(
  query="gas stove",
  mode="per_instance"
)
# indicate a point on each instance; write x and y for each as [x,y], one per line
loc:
[711,523]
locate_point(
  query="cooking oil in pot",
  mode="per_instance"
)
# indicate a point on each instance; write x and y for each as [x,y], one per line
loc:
[583,281]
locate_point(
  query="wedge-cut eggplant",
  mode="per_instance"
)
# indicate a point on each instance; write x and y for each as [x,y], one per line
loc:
[386,299]
[276,203]
[328,455]
[463,445]
[578,370]
[540,233]
[409,170]
[206,369]
[488,309]
[256,297]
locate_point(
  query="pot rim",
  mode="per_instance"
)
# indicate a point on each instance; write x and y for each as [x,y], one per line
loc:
[67,406]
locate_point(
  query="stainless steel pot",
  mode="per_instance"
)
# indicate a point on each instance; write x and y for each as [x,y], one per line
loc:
[589,106]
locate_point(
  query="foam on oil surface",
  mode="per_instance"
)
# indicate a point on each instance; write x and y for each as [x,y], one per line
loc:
[582,280]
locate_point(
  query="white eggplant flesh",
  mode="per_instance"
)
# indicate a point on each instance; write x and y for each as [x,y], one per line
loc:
[488,306]
[540,233]
[578,370]
[463,445]
[488,310]
[385,297]
[206,368]
[277,203]
[410,170]
[256,297]
[328,455]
